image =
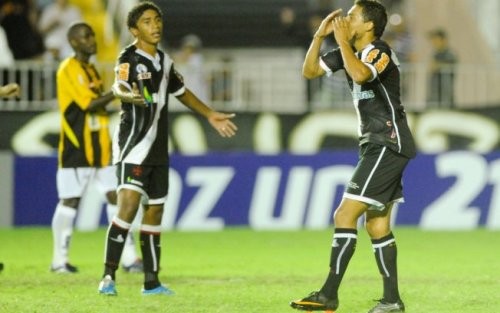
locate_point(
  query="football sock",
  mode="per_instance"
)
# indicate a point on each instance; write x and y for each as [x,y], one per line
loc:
[115,240]
[129,254]
[151,252]
[386,255]
[62,228]
[343,247]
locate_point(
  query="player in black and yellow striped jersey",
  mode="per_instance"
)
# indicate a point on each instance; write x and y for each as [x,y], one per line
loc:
[84,146]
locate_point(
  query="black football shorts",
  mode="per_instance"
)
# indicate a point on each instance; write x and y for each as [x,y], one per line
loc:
[377,178]
[151,181]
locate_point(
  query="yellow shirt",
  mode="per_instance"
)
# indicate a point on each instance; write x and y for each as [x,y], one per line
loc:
[84,139]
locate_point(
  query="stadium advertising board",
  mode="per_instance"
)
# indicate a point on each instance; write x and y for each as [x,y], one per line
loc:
[451,190]
[36,133]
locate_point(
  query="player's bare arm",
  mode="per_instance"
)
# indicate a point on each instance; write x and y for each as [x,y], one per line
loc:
[311,68]
[102,101]
[129,96]
[221,122]
[357,70]
[10,90]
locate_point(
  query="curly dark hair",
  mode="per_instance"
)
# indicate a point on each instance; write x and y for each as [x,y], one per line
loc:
[137,11]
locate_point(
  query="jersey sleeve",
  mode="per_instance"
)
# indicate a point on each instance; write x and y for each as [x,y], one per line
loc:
[123,71]
[378,59]
[74,86]
[175,83]
[331,61]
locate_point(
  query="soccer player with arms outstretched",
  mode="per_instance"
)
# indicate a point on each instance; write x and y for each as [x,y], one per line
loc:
[145,76]
[386,146]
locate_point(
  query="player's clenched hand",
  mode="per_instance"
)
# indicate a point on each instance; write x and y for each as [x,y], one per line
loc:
[129,96]
[222,123]
[326,26]
[341,30]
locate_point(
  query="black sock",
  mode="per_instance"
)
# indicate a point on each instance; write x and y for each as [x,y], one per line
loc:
[343,246]
[115,241]
[386,255]
[151,252]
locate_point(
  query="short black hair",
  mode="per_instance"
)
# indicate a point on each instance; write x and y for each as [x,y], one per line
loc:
[375,12]
[137,11]
[74,28]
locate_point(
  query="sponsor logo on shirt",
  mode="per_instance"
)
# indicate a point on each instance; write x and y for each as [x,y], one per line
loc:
[363,95]
[352,185]
[122,71]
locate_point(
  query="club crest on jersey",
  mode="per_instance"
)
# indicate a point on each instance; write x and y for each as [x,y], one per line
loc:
[142,72]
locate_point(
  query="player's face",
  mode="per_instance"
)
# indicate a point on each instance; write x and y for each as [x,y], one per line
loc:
[149,27]
[356,22]
[85,41]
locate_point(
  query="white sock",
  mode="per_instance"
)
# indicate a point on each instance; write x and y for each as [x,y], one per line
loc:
[62,228]
[129,254]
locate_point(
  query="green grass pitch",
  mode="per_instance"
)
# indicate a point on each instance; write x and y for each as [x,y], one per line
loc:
[239,270]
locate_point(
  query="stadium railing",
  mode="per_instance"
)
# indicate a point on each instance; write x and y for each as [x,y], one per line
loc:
[266,81]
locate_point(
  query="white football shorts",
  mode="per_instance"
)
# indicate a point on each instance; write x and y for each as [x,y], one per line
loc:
[72,182]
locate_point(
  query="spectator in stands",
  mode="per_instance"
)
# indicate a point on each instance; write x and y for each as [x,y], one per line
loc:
[17,18]
[54,22]
[442,70]
[189,62]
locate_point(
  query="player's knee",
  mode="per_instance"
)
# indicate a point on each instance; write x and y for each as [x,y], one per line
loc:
[343,218]
[153,215]
[377,230]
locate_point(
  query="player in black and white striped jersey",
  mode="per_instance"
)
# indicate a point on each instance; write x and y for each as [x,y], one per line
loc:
[145,76]
[386,146]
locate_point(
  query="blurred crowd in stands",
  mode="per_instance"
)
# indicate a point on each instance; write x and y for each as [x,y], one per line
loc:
[36,30]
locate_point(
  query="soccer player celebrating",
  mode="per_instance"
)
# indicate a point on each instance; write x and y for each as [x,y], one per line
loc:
[84,146]
[145,76]
[386,146]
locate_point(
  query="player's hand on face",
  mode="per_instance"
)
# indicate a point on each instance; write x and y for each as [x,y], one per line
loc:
[326,26]
[223,124]
[341,29]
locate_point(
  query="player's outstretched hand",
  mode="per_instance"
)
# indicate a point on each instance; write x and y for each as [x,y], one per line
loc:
[223,124]
[134,96]
[10,90]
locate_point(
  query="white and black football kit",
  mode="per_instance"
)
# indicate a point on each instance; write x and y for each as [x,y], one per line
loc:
[140,146]
[386,143]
